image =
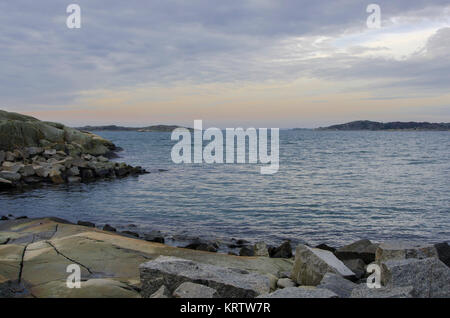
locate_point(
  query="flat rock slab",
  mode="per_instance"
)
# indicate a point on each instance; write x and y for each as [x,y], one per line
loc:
[301,292]
[429,277]
[363,291]
[191,290]
[398,250]
[311,265]
[229,282]
[337,284]
[52,244]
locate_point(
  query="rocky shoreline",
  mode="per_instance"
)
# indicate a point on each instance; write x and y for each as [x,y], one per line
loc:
[34,254]
[33,153]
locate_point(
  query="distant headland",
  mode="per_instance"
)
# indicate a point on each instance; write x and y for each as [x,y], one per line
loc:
[373,125]
[155,128]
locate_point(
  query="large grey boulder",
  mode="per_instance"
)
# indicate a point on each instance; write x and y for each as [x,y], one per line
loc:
[229,282]
[301,292]
[191,290]
[429,277]
[362,291]
[398,250]
[311,265]
[362,249]
[337,284]
[11,176]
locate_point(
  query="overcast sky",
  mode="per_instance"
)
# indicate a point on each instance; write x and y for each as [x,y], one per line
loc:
[262,63]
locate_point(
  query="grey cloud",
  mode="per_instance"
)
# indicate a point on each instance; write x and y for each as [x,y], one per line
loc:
[124,43]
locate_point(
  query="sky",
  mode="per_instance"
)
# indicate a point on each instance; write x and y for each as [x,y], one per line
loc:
[234,63]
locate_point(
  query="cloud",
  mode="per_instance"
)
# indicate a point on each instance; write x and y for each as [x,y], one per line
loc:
[129,44]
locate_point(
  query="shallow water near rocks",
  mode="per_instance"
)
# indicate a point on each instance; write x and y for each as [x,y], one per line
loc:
[332,187]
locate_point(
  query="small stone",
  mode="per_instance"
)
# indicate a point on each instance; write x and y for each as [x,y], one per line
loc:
[73,179]
[192,290]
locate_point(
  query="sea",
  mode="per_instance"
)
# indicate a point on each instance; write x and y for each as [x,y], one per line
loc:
[332,187]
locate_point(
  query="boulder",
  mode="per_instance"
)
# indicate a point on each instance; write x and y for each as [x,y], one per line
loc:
[429,277]
[163,292]
[260,249]
[172,272]
[11,176]
[191,290]
[154,236]
[337,284]
[9,156]
[357,266]
[40,171]
[201,245]
[282,251]
[12,166]
[363,249]
[74,171]
[27,171]
[109,228]
[362,291]
[246,251]
[326,248]
[311,265]
[285,283]
[443,251]
[84,223]
[55,176]
[301,292]
[49,152]
[398,250]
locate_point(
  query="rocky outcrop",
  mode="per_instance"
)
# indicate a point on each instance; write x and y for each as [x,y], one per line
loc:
[311,265]
[229,282]
[20,131]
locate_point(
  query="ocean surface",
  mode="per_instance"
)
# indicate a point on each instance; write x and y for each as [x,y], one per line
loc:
[331,187]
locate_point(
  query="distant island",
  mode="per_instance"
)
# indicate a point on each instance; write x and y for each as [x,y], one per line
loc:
[155,128]
[397,125]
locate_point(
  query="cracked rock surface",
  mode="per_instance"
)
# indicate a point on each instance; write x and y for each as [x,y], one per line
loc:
[35,253]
